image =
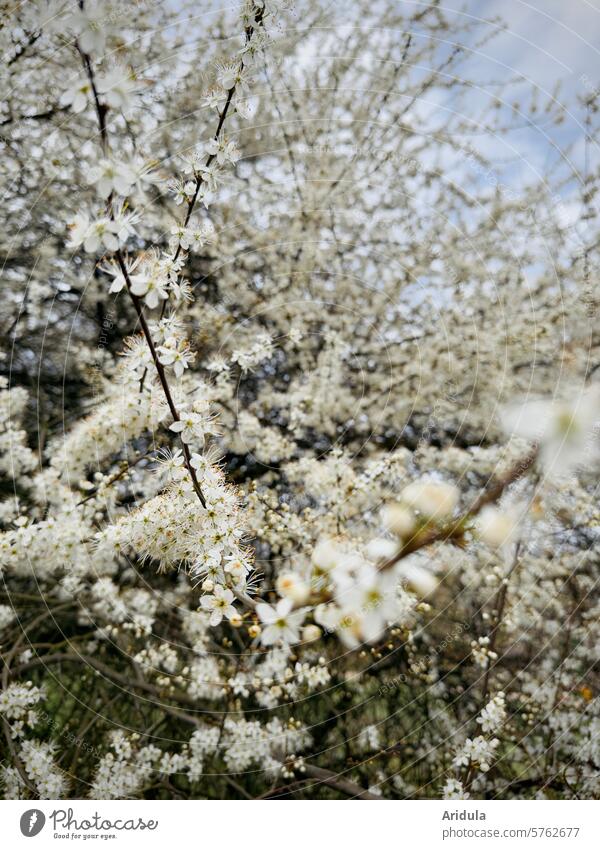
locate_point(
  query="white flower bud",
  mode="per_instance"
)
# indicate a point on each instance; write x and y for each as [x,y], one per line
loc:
[419,580]
[398,519]
[495,527]
[310,633]
[291,586]
[236,620]
[208,586]
[381,549]
[326,555]
[432,500]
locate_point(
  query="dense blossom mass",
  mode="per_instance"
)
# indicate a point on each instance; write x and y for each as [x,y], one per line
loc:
[298,433]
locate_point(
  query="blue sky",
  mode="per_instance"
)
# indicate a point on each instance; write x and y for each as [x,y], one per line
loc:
[546,41]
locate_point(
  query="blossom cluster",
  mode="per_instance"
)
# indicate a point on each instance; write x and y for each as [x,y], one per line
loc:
[298,458]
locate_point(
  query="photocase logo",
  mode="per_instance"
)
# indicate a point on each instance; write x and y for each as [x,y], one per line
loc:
[32,822]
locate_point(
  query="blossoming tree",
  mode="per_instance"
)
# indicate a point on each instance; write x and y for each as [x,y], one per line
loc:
[298,437]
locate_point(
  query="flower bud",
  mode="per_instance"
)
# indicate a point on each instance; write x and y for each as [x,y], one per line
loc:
[495,527]
[381,549]
[208,586]
[421,581]
[432,500]
[326,555]
[254,631]
[399,520]
[310,633]
[291,586]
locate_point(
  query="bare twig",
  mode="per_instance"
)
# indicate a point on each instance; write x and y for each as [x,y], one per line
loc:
[454,530]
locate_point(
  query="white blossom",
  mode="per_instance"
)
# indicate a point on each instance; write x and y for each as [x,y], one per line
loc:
[565,430]
[118,87]
[77,96]
[282,624]
[219,604]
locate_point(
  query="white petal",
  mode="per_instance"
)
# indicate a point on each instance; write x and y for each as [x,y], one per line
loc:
[266,613]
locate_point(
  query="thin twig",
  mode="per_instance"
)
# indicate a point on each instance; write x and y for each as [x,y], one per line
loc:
[454,530]
[101,112]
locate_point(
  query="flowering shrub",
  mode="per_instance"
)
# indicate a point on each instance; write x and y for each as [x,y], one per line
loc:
[298,444]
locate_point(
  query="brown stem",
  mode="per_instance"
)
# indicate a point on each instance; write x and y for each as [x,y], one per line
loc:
[210,159]
[6,673]
[338,782]
[455,529]
[125,681]
[161,373]
[101,108]
[115,478]
[499,613]
[16,759]
[101,112]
